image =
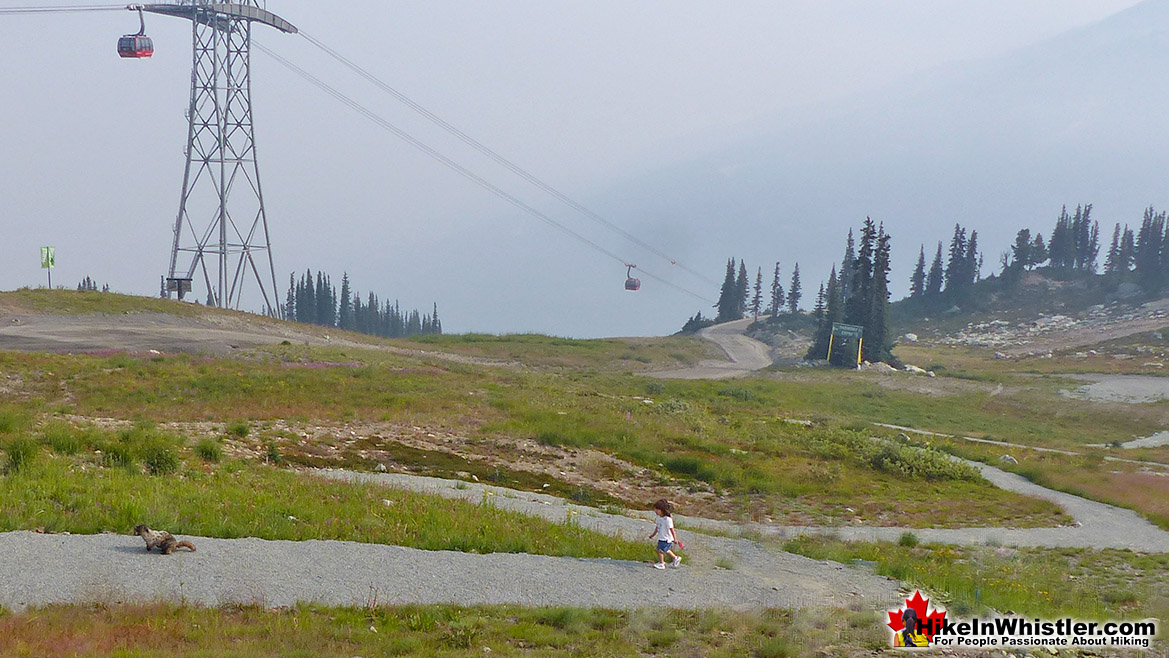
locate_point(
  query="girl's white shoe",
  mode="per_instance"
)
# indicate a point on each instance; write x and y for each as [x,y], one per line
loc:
[659,565]
[677,562]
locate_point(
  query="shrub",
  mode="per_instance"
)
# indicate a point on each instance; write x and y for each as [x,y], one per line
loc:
[209,450]
[238,429]
[655,388]
[160,459]
[907,539]
[272,453]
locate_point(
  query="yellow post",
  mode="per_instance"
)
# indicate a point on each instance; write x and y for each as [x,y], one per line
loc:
[859,344]
[830,338]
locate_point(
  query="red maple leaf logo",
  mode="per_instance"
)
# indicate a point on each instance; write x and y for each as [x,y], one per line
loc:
[931,622]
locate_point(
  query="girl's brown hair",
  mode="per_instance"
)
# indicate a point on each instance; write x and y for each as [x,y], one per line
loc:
[663,505]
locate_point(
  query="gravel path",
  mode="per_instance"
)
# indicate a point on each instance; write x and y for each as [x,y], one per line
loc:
[745,355]
[43,569]
[1100,525]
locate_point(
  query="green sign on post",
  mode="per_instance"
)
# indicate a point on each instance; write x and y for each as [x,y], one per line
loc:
[847,331]
[49,261]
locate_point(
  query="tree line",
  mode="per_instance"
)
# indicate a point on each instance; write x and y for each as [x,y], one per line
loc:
[313,299]
[857,294]
[737,298]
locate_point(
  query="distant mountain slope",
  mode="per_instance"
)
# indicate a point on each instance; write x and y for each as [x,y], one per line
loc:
[995,145]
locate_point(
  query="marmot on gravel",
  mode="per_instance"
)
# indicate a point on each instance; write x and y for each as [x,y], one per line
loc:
[161,539]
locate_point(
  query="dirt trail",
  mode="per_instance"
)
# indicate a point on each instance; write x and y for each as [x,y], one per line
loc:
[745,355]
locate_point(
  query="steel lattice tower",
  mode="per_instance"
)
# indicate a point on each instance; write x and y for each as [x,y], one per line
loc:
[221,231]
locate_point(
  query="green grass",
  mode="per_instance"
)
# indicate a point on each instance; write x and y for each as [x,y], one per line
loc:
[238,499]
[1104,584]
[628,354]
[735,445]
[74,302]
[434,631]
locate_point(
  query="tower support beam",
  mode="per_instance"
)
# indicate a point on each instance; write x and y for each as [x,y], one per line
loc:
[221,233]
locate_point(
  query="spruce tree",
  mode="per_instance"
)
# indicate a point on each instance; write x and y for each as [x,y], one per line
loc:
[345,311]
[847,265]
[1021,251]
[794,291]
[856,307]
[818,310]
[1127,251]
[917,281]
[1112,260]
[973,267]
[743,290]
[877,344]
[777,296]
[726,297]
[1092,250]
[833,311]
[1038,250]
[290,300]
[956,265]
[936,276]
[757,298]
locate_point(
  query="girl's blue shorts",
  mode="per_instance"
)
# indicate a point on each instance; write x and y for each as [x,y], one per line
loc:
[665,546]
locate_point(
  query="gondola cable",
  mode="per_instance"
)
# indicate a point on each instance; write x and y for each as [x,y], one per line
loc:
[456,167]
[495,156]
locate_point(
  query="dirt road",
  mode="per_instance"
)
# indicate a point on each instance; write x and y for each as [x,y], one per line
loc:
[745,355]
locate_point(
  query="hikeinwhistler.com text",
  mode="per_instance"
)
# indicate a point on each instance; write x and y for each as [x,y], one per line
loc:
[1016,632]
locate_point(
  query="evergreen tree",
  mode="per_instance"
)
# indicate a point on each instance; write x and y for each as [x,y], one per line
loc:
[877,346]
[290,300]
[435,324]
[1021,251]
[973,267]
[847,268]
[1127,251]
[1092,249]
[1061,249]
[777,296]
[818,310]
[727,303]
[345,310]
[956,265]
[933,280]
[1149,254]
[856,307]
[1112,260]
[757,298]
[743,289]
[794,291]
[1038,250]
[917,281]
[833,312]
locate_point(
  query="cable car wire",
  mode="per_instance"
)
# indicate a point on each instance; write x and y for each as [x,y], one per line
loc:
[60,9]
[494,155]
[456,167]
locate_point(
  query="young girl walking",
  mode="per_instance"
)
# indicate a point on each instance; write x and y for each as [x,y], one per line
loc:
[664,531]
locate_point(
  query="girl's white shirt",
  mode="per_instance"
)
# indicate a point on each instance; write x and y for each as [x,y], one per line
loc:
[665,528]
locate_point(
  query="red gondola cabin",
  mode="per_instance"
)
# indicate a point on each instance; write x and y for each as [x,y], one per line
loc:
[135,46]
[632,284]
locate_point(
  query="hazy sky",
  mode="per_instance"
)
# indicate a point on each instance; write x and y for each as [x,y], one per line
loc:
[584,94]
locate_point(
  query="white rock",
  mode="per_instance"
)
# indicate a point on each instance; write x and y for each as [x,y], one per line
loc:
[910,338]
